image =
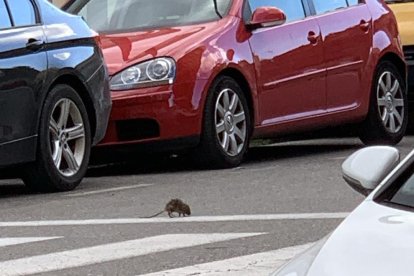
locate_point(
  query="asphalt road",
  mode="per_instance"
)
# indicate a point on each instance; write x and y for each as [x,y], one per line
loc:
[284,196]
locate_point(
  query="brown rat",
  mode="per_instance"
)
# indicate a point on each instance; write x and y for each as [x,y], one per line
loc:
[174,206]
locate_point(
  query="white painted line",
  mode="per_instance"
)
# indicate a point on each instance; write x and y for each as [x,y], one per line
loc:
[250,265]
[338,158]
[305,216]
[16,241]
[116,189]
[111,252]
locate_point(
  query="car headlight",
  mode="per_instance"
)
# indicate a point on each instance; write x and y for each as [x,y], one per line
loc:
[159,71]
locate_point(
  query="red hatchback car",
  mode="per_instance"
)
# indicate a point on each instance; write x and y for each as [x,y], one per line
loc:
[212,74]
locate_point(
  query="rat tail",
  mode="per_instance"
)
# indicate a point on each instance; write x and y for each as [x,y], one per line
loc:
[153,216]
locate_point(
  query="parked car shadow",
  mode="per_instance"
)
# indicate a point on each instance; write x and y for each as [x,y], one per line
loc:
[11,189]
[134,163]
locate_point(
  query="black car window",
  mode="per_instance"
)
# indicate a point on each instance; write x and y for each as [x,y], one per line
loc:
[324,6]
[22,12]
[405,195]
[293,8]
[4,18]
[398,192]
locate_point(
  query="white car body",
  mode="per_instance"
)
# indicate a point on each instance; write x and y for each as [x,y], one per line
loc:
[374,239]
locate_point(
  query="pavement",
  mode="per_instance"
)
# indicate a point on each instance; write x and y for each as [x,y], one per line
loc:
[248,220]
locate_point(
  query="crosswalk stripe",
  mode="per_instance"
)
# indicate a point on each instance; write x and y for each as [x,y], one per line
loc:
[249,265]
[196,219]
[111,252]
[16,241]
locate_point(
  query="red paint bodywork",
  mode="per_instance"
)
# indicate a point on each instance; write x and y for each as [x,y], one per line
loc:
[300,75]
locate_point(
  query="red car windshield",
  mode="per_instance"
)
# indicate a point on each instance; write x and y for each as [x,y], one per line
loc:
[116,15]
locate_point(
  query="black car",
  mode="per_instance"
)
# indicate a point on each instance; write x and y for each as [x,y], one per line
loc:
[54,94]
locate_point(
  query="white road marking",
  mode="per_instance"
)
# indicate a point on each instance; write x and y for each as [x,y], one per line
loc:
[194,219]
[116,189]
[250,265]
[111,252]
[338,158]
[16,241]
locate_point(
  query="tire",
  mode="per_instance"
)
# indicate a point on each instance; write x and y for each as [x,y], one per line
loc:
[226,126]
[387,117]
[64,143]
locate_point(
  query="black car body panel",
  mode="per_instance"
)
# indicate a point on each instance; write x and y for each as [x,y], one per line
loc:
[58,48]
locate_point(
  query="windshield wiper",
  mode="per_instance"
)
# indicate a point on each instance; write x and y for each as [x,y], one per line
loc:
[216,9]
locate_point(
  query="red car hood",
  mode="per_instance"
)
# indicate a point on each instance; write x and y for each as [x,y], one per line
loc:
[126,49]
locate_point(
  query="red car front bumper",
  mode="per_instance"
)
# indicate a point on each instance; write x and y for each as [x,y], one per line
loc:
[155,114]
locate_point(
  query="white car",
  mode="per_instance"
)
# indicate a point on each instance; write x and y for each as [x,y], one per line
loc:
[377,238]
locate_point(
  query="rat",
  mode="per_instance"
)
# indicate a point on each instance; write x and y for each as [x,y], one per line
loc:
[174,206]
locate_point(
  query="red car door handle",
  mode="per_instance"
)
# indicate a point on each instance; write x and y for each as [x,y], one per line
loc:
[312,37]
[365,25]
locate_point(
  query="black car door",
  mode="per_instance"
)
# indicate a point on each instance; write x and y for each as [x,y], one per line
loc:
[23,64]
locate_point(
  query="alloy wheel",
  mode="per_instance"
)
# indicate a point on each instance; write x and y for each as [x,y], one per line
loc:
[390,102]
[230,120]
[67,137]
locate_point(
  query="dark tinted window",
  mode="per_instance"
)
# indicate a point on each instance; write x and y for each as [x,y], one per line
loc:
[292,8]
[4,16]
[323,6]
[22,12]
[405,195]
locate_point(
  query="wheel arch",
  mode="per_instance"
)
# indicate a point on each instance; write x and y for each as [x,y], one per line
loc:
[398,62]
[238,76]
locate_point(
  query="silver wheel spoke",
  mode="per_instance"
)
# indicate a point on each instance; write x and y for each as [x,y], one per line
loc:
[239,117]
[383,86]
[57,155]
[75,132]
[238,132]
[226,100]
[398,102]
[220,110]
[382,102]
[226,141]
[385,117]
[64,114]
[70,159]
[53,127]
[398,117]
[388,81]
[220,127]
[234,103]
[392,122]
[395,88]
[233,144]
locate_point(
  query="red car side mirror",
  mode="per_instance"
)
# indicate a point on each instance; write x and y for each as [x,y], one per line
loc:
[267,17]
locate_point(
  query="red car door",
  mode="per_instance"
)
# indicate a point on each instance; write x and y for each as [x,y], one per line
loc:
[289,65]
[347,40]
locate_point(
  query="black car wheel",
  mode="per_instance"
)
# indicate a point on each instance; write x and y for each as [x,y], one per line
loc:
[226,126]
[387,118]
[64,143]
